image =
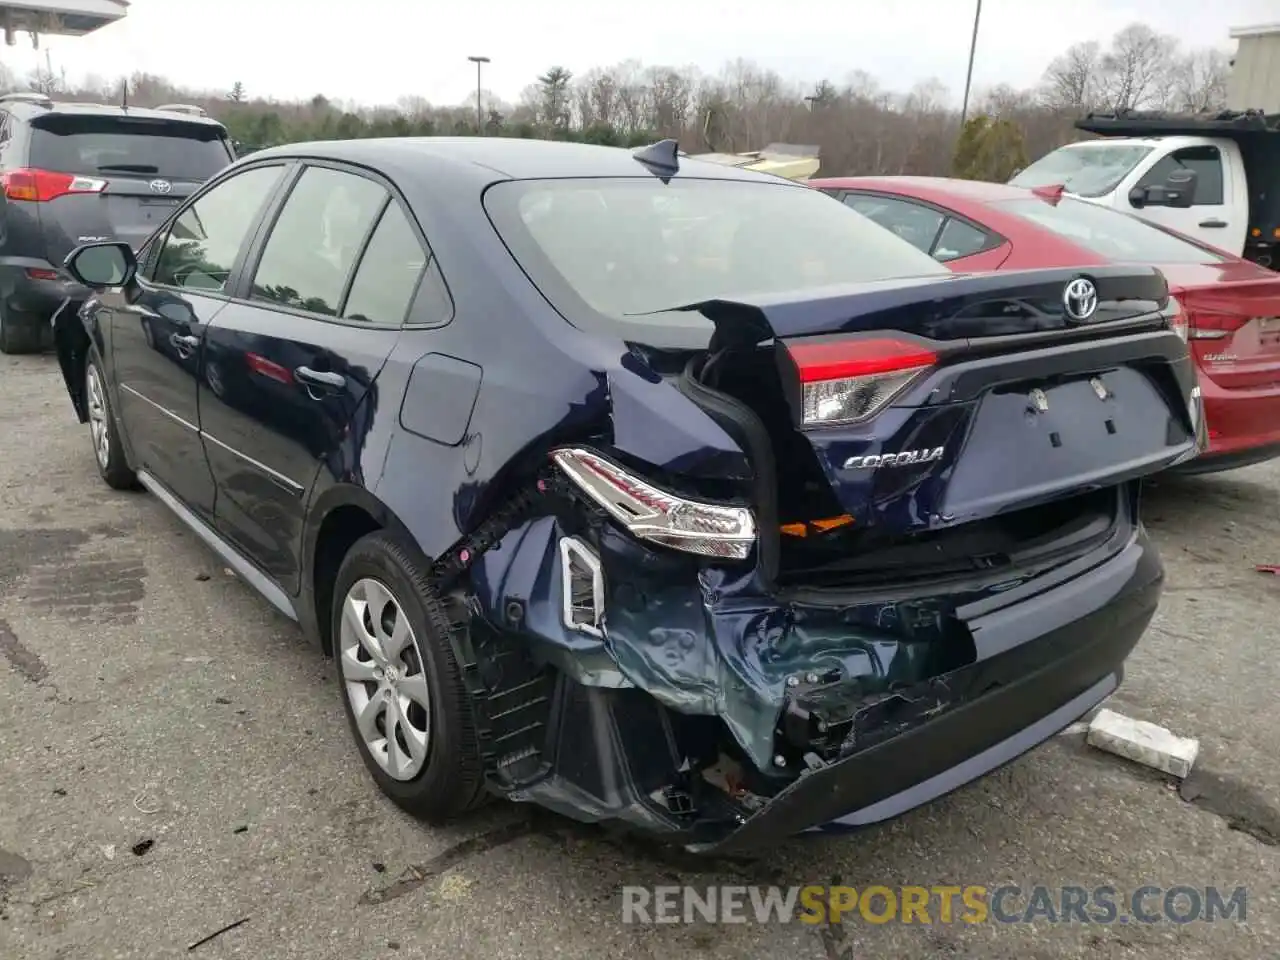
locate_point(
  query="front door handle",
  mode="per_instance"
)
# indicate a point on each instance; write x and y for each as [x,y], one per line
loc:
[185,345]
[320,378]
[1211,224]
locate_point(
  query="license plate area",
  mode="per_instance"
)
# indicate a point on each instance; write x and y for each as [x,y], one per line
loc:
[1035,438]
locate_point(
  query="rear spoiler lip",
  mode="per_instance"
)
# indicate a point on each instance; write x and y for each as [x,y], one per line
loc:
[854,308]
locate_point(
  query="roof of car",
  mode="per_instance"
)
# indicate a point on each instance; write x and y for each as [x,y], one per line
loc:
[28,109]
[502,157]
[978,190]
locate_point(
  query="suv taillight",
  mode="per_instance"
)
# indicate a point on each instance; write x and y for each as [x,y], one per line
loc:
[41,186]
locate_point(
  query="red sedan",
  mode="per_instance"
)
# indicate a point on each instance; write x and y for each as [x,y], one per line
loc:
[1232,305]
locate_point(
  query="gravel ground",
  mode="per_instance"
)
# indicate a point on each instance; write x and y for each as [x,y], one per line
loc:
[173,759]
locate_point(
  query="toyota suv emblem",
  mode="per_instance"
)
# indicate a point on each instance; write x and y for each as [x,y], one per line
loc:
[1080,299]
[160,186]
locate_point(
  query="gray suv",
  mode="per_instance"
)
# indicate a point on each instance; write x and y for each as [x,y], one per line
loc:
[73,173]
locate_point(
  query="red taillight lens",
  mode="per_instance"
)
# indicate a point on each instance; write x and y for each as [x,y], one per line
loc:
[1209,325]
[41,186]
[850,381]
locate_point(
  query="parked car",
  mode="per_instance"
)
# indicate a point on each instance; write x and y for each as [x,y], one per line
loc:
[725,542]
[1231,306]
[73,173]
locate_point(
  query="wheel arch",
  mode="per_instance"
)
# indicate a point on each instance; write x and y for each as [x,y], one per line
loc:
[337,518]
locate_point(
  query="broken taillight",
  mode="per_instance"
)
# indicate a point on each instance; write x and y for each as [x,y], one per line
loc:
[656,515]
[850,381]
[42,186]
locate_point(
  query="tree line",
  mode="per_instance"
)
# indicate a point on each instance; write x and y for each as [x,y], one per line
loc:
[859,125]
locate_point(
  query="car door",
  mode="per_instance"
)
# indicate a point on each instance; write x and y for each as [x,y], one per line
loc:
[290,365]
[156,334]
[949,238]
[1210,218]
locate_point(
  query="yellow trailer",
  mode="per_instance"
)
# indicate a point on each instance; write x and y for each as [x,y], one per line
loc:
[786,160]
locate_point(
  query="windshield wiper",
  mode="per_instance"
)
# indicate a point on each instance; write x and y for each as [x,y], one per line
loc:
[130,167]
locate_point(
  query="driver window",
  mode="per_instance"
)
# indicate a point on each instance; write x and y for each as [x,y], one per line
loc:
[916,224]
[204,241]
[1205,161]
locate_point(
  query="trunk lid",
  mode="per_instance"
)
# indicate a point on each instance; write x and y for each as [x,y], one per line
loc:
[979,396]
[117,177]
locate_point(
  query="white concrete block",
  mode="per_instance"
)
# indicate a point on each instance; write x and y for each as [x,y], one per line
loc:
[1143,742]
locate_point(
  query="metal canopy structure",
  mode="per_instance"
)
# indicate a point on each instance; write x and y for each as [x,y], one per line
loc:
[66,18]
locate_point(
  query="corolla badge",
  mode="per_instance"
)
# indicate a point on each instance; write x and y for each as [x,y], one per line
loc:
[905,458]
[160,186]
[1080,299]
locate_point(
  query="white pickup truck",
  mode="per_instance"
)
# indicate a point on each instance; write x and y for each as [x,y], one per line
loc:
[1213,177]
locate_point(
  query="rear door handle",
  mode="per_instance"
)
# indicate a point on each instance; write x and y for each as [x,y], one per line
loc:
[1213,223]
[320,378]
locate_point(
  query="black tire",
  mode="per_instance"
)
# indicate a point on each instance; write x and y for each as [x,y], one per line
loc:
[19,333]
[451,781]
[113,467]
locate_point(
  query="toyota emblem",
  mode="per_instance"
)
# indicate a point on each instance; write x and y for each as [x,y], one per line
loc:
[1080,299]
[160,186]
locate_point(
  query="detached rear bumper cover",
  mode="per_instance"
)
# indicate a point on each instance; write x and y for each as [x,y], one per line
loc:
[1031,692]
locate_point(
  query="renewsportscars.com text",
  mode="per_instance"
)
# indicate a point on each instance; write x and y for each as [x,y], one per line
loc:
[817,904]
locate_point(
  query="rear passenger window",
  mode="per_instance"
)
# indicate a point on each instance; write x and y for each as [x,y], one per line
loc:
[202,245]
[316,239]
[916,224]
[388,272]
[958,240]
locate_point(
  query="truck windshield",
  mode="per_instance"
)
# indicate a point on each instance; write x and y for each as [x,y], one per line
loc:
[1085,169]
[1114,235]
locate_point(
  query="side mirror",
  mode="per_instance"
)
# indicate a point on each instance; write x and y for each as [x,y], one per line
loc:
[1157,195]
[102,265]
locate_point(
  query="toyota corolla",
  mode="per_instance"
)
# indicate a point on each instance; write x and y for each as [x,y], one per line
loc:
[642,488]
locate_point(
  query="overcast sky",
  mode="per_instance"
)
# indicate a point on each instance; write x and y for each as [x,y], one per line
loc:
[375,51]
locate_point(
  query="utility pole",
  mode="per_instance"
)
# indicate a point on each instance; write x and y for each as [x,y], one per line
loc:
[973,46]
[479,110]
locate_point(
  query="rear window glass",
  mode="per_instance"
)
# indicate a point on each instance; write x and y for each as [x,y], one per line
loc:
[1115,235]
[1088,170]
[98,146]
[618,249]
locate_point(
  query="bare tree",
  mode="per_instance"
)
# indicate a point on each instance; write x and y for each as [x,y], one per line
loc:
[1135,70]
[1072,80]
[1199,80]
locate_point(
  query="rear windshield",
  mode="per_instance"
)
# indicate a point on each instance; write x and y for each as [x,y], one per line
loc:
[606,250]
[1088,170]
[99,146]
[1115,235]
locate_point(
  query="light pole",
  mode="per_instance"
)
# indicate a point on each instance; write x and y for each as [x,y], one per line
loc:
[968,79]
[479,112]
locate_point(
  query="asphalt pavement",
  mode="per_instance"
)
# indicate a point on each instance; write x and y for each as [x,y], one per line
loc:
[174,761]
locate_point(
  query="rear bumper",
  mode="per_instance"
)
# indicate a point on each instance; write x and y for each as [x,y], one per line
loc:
[31,299]
[1214,462]
[1016,700]
[1244,427]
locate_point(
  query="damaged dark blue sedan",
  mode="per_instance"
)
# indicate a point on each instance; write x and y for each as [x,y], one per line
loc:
[638,487]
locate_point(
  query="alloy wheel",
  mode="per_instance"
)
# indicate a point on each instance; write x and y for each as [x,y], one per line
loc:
[98,427]
[382,672]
